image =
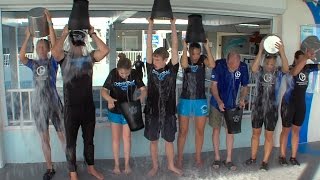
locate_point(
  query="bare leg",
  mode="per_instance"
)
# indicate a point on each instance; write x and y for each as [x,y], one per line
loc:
[182,136]
[116,130]
[170,156]
[295,140]
[256,132]
[200,124]
[229,142]
[284,141]
[216,143]
[46,149]
[126,136]
[154,157]
[268,145]
[62,140]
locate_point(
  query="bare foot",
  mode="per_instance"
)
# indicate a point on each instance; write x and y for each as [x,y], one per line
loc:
[73,176]
[179,164]
[175,170]
[199,163]
[127,170]
[95,173]
[116,170]
[153,172]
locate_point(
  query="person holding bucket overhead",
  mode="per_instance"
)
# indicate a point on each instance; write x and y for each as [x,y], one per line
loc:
[160,106]
[76,58]
[193,102]
[265,106]
[46,101]
[226,78]
[118,90]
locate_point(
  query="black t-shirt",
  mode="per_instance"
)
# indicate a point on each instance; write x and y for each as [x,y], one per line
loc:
[77,79]
[161,100]
[121,89]
[298,86]
[268,87]
[138,66]
[194,80]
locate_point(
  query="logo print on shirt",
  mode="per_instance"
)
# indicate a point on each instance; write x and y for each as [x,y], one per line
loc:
[237,74]
[161,75]
[194,68]
[302,76]
[133,110]
[41,70]
[124,85]
[267,78]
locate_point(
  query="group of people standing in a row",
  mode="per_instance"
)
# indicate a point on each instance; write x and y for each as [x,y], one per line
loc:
[76,63]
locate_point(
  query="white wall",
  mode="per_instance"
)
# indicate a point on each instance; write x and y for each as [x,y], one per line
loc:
[297,14]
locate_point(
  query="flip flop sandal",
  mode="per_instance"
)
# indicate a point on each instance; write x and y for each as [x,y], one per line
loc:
[230,165]
[216,164]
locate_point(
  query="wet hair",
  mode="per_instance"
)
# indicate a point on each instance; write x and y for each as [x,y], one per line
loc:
[122,56]
[233,53]
[298,53]
[271,56]
[162,52]
[77,37]
[193,46]
[45,41]
[124,63]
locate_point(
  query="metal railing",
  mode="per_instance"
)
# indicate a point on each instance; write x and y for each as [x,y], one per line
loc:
[19,104]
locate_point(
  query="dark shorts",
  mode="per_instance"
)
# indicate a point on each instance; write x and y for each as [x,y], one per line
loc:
[265,115]
[155,125]
[44,113]
[292,113]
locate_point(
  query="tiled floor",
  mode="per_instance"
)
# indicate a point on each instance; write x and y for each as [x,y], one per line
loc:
[309,157]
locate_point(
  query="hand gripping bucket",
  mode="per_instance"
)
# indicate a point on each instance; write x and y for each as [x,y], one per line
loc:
[233,119]
[132,112]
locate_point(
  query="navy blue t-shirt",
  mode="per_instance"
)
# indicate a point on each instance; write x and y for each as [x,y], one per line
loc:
[194,80]
[297,85]
[44,76]
[122,89]
[228,82]
[161,100]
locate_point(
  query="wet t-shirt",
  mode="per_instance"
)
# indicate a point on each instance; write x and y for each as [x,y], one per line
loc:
[161,100]
[77,79]
[44,77]
[297,85]
[122,89]
[194,80]
[228,83]
[268,87]
[138,65]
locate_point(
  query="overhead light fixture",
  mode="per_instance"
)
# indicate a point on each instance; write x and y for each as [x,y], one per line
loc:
[156,21]
[250,25]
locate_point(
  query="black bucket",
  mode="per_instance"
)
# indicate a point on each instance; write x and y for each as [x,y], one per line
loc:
[233,119]
[132,112]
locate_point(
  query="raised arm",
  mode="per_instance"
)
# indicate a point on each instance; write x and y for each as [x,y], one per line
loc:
[174,47]
[52,33]
[209,61]
[57,50]
[149,41]
[102,50]
[22,54]
[284,60]
[256,62]
[184,57]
